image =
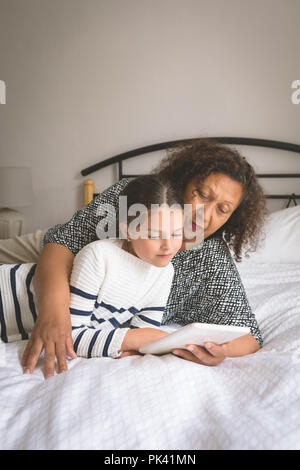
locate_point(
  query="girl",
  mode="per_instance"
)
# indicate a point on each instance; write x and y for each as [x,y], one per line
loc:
[118,287]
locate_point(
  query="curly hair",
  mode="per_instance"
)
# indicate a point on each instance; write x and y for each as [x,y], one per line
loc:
[201,157]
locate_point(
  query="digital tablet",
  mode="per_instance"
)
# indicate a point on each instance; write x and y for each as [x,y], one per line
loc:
[194,333]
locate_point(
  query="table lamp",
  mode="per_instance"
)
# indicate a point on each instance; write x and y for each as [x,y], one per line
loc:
[15,191]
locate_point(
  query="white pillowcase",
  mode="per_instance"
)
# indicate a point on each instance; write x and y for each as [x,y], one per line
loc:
[281,240]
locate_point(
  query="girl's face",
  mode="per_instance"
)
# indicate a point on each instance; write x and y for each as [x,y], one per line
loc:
[160,237]
[220,196]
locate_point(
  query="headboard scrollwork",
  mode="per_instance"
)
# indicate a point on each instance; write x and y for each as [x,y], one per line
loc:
[119,159]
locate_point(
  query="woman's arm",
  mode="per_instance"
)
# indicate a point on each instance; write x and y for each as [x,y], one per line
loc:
[213,354]
[217,296]
[52,330]
[242,346]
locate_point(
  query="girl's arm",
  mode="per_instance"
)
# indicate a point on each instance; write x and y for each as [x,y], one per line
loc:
[145,325]
[86,280]
[89,341]
[136,338]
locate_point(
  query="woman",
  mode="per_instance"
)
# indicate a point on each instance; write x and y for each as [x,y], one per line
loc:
[206,285]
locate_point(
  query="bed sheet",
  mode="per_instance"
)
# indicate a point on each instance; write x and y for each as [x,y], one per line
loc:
[149,402]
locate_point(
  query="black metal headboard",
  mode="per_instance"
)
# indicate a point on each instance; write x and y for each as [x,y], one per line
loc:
[274,144]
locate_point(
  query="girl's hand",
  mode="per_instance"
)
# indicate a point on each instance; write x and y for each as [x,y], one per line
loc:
[129,353]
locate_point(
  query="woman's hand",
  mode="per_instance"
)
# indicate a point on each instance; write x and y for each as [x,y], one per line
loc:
[51,332]
[195,354]
[213,354]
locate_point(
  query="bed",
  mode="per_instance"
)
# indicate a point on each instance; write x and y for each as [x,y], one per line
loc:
[166,403]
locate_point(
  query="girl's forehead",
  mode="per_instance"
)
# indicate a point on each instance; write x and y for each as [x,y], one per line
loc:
[165,217]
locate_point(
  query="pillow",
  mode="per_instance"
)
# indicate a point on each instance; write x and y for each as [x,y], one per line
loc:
[280,242]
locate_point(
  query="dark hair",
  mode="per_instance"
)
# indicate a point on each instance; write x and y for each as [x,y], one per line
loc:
[202,157]
[148,190]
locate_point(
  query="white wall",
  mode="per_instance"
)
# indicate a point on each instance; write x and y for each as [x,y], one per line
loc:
[87,79]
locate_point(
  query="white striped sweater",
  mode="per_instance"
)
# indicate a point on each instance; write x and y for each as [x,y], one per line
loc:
[111,291]
[111,288]
[17,304]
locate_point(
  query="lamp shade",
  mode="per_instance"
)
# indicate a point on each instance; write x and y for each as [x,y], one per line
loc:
[15,187]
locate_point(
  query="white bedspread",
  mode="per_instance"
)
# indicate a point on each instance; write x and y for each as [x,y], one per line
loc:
[165,402]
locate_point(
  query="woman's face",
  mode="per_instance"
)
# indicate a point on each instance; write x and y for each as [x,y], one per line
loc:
[220,196]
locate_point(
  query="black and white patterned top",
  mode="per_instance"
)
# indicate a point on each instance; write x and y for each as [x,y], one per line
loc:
[206,287]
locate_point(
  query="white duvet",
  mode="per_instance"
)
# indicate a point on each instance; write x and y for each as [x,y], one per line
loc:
[149,402]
